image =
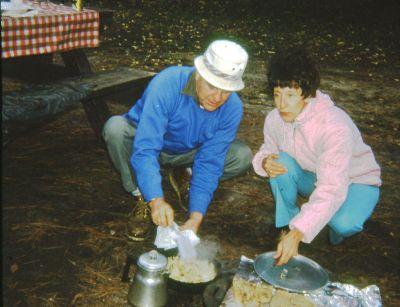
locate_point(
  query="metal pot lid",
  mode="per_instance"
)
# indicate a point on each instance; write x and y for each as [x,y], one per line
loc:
[152,261]
[300,274]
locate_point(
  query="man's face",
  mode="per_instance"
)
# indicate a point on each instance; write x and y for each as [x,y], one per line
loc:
[210,97]
[289,102]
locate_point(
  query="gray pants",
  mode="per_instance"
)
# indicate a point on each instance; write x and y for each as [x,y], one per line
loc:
[118,135]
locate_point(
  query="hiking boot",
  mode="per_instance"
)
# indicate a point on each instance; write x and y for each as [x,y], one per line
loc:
[179,178]
[139,221]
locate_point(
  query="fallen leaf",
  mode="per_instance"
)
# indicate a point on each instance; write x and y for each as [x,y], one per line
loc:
[14,268]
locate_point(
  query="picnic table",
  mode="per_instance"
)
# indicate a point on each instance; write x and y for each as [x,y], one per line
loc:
[30,38]
[47,27]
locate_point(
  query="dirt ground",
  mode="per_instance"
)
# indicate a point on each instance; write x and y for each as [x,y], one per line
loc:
[64,210]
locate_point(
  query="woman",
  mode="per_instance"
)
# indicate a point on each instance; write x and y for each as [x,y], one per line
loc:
[313,148]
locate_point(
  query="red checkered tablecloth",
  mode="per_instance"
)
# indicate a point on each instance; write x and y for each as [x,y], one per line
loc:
[48,28]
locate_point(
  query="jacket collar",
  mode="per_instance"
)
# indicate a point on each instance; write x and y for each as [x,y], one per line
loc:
[316,105]
[190,87]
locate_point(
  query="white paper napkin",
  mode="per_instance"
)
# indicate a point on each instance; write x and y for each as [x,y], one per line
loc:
[171,237]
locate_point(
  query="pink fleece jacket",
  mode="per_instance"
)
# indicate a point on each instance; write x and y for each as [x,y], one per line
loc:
[324,140]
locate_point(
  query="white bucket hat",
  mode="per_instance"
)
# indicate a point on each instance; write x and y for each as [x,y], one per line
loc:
[223,65]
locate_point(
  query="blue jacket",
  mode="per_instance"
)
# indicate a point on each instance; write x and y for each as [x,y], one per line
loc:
[168,120]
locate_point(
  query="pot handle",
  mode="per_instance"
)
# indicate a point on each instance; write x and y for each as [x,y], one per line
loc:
[129,260]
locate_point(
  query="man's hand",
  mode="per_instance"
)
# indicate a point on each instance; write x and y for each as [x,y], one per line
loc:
[193,223]
[288,246]
[272,167]
[161,212]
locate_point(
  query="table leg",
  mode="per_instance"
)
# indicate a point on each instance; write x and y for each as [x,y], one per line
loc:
[76,62]
[96,109]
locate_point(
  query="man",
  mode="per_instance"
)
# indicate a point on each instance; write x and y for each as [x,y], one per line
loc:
[187,117]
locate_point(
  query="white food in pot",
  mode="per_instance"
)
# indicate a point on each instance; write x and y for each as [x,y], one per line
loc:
[190,271]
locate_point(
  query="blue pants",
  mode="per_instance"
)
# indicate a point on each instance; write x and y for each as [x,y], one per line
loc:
[349,219]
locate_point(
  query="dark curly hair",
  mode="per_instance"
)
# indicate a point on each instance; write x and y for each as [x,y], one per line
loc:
[293,67]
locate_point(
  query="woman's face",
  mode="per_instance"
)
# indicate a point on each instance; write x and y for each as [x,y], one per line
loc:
[210,97]
[289,102]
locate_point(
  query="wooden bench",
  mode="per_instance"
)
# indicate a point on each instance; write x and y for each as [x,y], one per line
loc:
[37,104]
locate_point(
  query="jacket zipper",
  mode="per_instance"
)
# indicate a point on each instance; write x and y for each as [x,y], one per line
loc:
[294,140]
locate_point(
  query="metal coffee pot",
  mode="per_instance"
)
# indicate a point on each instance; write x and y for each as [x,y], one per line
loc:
[149,285]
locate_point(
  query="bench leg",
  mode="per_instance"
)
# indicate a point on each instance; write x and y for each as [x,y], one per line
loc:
[97,113]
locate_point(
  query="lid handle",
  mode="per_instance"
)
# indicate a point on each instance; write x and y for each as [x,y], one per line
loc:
[153,255]
[284,274]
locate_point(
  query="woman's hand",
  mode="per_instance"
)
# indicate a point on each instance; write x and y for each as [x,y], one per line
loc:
[193,223]
[272,167]
[288,246]
[162,213]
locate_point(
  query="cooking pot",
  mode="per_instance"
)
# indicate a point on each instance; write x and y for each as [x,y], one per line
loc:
[191,288]
[186,287]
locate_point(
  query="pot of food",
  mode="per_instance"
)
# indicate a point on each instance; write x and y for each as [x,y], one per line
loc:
[191,276]
[300,274]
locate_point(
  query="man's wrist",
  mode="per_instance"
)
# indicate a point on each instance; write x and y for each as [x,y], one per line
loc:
[154,201]
[196,216]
